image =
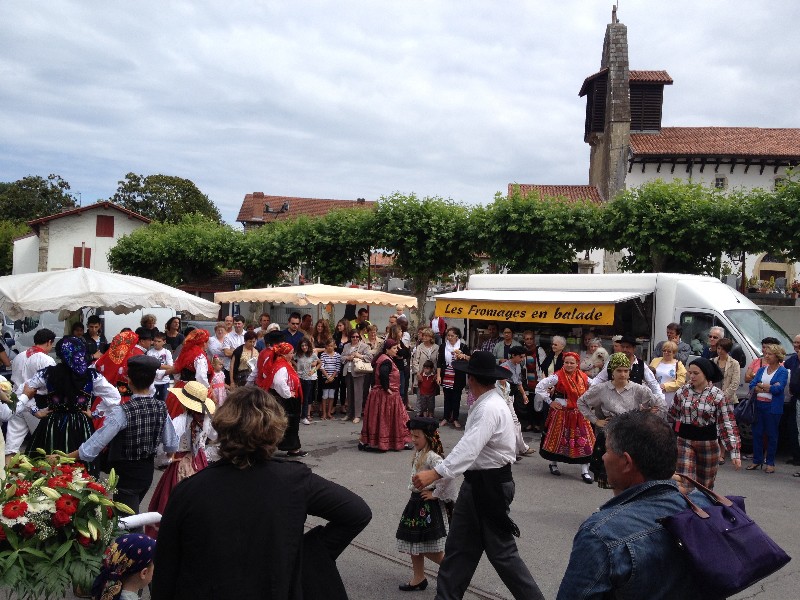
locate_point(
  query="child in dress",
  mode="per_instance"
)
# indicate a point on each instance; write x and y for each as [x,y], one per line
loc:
[164,356]
[427,390]
[127,568]
[423,527]
[330,369]
[219,389]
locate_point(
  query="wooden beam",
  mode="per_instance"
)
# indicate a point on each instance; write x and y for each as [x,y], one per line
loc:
[716,167]
[761,170]
[643,166]
[702,165]
[658,169]
[746,166]
[672,170]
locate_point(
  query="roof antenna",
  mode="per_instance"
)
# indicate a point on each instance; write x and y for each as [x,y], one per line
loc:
[614,12]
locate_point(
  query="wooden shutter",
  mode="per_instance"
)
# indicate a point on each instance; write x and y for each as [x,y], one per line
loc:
[105,226]
[76,257]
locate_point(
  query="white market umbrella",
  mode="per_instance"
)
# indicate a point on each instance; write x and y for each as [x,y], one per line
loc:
[70,290]
[316,293]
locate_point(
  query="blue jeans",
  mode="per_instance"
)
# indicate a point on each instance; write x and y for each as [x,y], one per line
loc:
[309,395]
[766,423]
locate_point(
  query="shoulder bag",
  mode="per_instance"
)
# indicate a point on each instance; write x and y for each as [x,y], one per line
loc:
[362,366]
[726,549]
[745,411]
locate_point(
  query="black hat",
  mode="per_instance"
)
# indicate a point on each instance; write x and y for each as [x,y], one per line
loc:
[144,333]
[426,424]
[482,364]
[628,339]
[275,337]
[710,370]
[144,365]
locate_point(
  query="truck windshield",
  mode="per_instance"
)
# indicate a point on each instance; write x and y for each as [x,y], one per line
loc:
[755,325]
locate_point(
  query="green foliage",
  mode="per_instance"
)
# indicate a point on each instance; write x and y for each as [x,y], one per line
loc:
[163,198]
[667,227]
[264,254]
[8,231]
[195,247]
[530,234]
[33,197]
[334,244]
[428,237]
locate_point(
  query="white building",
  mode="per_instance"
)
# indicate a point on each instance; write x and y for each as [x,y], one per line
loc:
[80,237]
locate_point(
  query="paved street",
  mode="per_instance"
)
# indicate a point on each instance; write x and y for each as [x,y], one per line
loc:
[547,509]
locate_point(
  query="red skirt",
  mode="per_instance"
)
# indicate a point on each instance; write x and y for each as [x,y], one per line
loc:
[569,436]
[385,417]
[168,481]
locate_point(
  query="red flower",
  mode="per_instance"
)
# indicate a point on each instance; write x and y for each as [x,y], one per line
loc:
[29,530]
[67,503]
[84,541]
[61,518]
[110,512]
[66,469]
[61,481]
[14,509]
[23,487]
[93,485]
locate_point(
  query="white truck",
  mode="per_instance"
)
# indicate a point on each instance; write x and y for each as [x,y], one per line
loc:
[639,304]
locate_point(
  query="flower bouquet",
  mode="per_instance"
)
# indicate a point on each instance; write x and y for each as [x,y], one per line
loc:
[56,521]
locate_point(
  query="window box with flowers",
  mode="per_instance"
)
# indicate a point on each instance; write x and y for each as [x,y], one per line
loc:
[56,521]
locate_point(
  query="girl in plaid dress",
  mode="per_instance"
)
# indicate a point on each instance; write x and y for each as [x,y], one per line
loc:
[424,524]
[700,413]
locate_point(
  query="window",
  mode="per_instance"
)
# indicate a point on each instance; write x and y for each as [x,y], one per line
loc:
[105,226]
[720,182]
[76,257]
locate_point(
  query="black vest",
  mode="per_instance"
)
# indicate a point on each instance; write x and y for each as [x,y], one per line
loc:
[637,372]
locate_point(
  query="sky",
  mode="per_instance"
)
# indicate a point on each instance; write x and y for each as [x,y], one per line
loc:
[359,99]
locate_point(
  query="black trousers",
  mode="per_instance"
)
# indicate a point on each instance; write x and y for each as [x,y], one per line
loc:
[469,537]
[135,479]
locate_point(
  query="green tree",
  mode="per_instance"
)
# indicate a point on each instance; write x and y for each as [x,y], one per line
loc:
[264,254]
[531,234]
[8,231]
[195,247]
[164,198]
[33,197]
[428,237]
[334,245]
[674,227]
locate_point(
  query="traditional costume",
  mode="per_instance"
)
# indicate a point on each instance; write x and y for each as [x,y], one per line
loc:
[284,382]
[385,416]
[128,555]
[568,434]
[424,523]
[191,365]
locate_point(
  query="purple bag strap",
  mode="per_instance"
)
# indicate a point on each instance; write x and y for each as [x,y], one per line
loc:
[710,494]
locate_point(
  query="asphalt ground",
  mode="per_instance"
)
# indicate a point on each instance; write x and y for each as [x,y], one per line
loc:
[547,509]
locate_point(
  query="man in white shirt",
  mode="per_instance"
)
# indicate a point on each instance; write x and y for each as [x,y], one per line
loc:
[640,372]
[26,365]
[233,339]
[480,519]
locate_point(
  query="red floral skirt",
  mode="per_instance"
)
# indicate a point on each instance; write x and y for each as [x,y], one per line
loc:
[569,437]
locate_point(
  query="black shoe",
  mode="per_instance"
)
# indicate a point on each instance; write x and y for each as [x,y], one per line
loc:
[407,587]
[554,470]
[297,454]
[362,447]
[793,461]
[587,478]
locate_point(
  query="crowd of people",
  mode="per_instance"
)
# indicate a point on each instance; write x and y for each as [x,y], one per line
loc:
[214,408]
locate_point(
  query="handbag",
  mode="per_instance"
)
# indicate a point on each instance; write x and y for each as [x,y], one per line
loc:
[745,411]
[726,549]
[362,366]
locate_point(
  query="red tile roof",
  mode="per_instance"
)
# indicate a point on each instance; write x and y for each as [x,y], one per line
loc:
[755,142]
[105,205]
[252,210]
[650,77]
[634,77]
[569,192]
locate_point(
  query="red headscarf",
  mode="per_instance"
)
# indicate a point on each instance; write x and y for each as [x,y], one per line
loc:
[572,385]
[279,353]
[193,346]
[113,365]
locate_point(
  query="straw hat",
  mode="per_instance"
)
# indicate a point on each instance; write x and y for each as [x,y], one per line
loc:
[194,396]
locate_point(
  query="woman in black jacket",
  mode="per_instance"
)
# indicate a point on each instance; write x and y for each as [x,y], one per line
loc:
[258,506]
[451,381]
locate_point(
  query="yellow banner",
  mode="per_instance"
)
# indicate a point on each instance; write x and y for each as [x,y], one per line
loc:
[524,312]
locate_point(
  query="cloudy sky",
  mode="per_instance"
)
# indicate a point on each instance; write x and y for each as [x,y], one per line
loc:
[352,99]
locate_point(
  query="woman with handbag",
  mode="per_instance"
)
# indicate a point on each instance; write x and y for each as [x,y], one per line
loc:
[769,383]
[700,415]
[356,357]
[669,371]
[240,360]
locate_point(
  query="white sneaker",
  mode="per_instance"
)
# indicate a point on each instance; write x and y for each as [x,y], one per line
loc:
[306,422]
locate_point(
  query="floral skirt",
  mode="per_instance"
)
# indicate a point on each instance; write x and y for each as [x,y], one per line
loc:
[423,526]
[568,437]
